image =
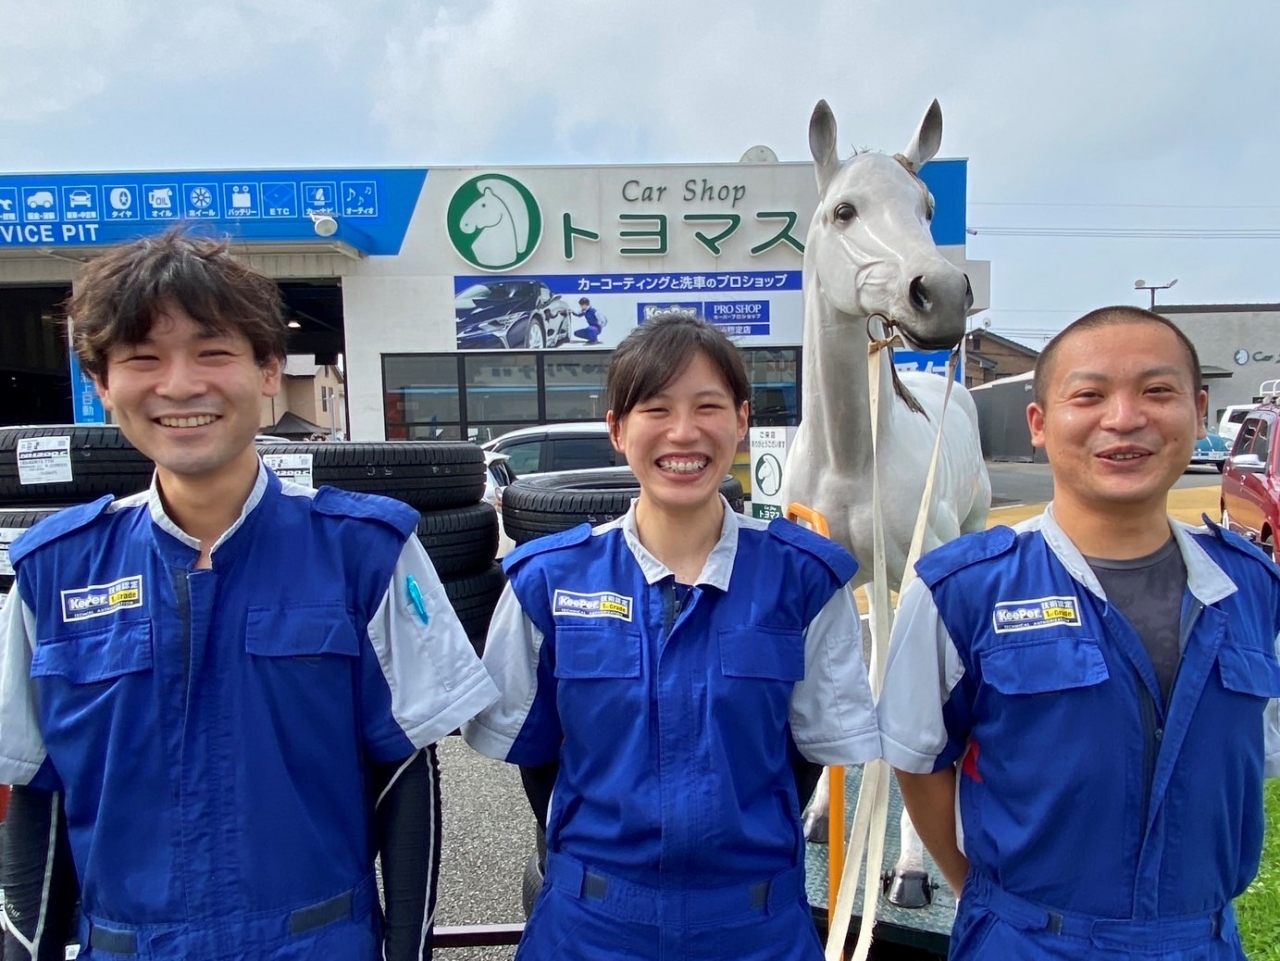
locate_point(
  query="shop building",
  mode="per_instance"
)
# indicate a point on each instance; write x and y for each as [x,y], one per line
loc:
[463,302]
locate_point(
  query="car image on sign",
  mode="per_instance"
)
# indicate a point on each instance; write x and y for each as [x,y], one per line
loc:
[41,198]
[79,198]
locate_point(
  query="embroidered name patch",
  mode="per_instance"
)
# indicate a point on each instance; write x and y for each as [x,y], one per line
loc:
[1036,613]
[603,604]
[102,599]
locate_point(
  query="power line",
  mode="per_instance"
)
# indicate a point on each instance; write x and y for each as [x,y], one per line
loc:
[1140,233]
[1112,206]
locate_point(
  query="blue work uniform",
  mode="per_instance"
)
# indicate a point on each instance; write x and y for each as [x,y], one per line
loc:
[674,829]
[1098,820]
[212,729]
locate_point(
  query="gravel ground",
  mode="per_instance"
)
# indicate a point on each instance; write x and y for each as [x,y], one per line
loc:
[488,835]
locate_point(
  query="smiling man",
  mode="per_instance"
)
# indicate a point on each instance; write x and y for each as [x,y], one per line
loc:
[1101,681]
[232,683]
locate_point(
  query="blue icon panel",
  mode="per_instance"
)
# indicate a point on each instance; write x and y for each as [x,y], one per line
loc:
[320,197]
[9,205]
[39,205]
[80,202]
[122,202]
[359,198]
[243,200]
[279,199]
[160,201]
[200,201]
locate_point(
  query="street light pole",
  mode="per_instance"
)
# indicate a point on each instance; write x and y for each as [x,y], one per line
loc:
[1143,285]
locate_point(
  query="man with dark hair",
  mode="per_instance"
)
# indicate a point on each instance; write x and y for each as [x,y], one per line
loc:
[1101,681]
[233,683]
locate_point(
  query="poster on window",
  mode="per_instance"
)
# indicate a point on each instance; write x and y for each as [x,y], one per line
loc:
[585,311]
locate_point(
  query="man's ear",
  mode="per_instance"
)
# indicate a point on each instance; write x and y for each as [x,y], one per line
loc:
[272,375]
[100,384]
[1202,411]
[1035,421]
[614,424]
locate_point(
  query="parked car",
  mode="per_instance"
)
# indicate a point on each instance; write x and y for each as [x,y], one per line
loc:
[1230,420]
[556,447]
[506,314]
[1211,450]
[1250,485]
[497,475]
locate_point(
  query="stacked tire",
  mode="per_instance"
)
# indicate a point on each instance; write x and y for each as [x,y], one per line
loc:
[44,469]
[444,482]
[544,504]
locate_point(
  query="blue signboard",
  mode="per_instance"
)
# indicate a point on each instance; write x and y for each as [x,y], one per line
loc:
[86,403]
[947,180]
[932,362]
[276,206]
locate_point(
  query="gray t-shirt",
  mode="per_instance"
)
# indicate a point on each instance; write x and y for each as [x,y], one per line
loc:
[1148,592]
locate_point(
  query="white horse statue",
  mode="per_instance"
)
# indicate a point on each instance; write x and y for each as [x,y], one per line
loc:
[871,263]
[500,221]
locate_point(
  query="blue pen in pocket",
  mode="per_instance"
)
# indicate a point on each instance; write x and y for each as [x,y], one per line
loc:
[415,598]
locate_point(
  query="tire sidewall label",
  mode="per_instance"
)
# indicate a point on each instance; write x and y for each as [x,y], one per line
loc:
[44,460]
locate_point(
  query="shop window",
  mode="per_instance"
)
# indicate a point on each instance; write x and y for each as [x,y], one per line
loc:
[421,397]
[501,388]
[775,394]
[575,386]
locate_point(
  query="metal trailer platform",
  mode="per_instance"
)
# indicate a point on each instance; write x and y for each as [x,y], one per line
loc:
[926,929]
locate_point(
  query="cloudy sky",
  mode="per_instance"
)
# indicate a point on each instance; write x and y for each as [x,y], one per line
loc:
[1117,139]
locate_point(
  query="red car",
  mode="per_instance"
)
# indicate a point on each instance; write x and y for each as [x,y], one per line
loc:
[1251,479]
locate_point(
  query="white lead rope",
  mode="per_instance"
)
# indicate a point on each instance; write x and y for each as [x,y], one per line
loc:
[870,818]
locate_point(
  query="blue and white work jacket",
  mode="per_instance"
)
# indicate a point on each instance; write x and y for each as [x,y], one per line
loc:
[212,729]
[1080,789]
[673,721]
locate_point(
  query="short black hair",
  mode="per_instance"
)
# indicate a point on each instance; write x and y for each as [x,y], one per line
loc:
[120,294]
[659,350]
[1118,315]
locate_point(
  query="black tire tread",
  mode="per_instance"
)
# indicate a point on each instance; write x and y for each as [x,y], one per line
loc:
[473,598]
[427,475]
[544,504]
[102,462]
[460,540]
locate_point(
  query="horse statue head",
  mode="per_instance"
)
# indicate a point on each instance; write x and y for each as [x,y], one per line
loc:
[869,247]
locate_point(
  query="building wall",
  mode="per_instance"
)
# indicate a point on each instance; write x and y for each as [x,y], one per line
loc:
[1243,339]
[1009,359]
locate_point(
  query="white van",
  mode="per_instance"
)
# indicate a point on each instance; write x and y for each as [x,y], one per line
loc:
[1231,419]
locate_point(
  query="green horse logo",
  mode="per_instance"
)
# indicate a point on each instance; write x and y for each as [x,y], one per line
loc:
[494,222]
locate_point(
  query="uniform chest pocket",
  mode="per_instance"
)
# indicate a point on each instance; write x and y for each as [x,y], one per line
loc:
[304,632]
[1048,666]
[768,653]
[96,656]
[1246,670]
[584,653]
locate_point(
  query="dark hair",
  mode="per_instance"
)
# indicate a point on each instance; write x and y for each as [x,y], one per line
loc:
[583,300]
[117,298]
[659,350]
[1108,317]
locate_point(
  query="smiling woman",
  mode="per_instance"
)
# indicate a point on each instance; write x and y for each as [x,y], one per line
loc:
[678,594]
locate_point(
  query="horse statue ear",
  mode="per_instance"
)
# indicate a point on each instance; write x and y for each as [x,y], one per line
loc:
[924,145]
[822,144]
